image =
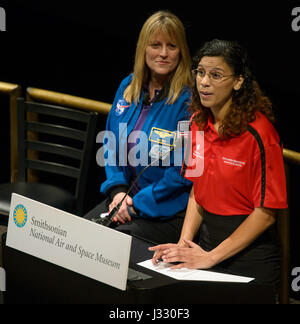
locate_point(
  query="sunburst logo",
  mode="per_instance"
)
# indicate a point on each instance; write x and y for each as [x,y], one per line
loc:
[20,216]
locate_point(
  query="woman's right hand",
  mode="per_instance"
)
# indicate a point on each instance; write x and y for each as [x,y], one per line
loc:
[122,215]
[159,250]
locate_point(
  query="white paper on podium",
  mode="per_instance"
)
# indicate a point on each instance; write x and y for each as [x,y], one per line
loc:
[194,275]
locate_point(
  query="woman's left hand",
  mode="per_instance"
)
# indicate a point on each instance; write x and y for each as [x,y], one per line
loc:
[192,256]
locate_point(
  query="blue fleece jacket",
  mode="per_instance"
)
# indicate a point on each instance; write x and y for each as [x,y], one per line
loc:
[163,191]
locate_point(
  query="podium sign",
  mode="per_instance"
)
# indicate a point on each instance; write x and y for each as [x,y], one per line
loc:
[69,241]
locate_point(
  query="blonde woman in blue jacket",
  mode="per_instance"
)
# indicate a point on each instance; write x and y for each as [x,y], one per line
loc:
[149,106]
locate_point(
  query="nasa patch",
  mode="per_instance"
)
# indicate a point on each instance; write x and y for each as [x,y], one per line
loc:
[121,106]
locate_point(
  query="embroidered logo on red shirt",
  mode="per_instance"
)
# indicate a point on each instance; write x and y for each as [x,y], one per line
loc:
[233,162]
[199,152]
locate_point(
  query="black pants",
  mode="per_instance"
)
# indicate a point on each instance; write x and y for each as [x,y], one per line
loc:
[261,260]
[157,231]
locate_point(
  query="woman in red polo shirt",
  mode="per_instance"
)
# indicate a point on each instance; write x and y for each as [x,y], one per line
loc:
[238,174]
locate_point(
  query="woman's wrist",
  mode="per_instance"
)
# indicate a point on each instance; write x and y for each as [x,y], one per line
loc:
[117,190]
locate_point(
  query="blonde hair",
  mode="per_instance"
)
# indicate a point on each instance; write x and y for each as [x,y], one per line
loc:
[170,24]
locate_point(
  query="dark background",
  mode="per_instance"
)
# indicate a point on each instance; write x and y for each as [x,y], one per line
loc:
[86,48]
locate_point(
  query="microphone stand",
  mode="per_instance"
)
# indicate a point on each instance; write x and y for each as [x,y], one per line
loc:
[106,221]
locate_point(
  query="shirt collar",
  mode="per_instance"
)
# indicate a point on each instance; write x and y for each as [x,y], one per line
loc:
[209,124]
[210,129]
[160,95]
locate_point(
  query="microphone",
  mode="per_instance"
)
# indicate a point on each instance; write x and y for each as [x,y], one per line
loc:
[107,220]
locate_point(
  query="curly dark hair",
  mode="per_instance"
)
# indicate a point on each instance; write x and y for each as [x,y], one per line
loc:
[245,102]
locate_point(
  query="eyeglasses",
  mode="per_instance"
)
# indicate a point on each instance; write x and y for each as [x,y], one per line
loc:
[215,76]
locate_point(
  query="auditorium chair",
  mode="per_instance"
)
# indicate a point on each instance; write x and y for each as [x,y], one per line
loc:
[56,142]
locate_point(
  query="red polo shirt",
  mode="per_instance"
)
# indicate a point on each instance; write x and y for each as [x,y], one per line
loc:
[240,173]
